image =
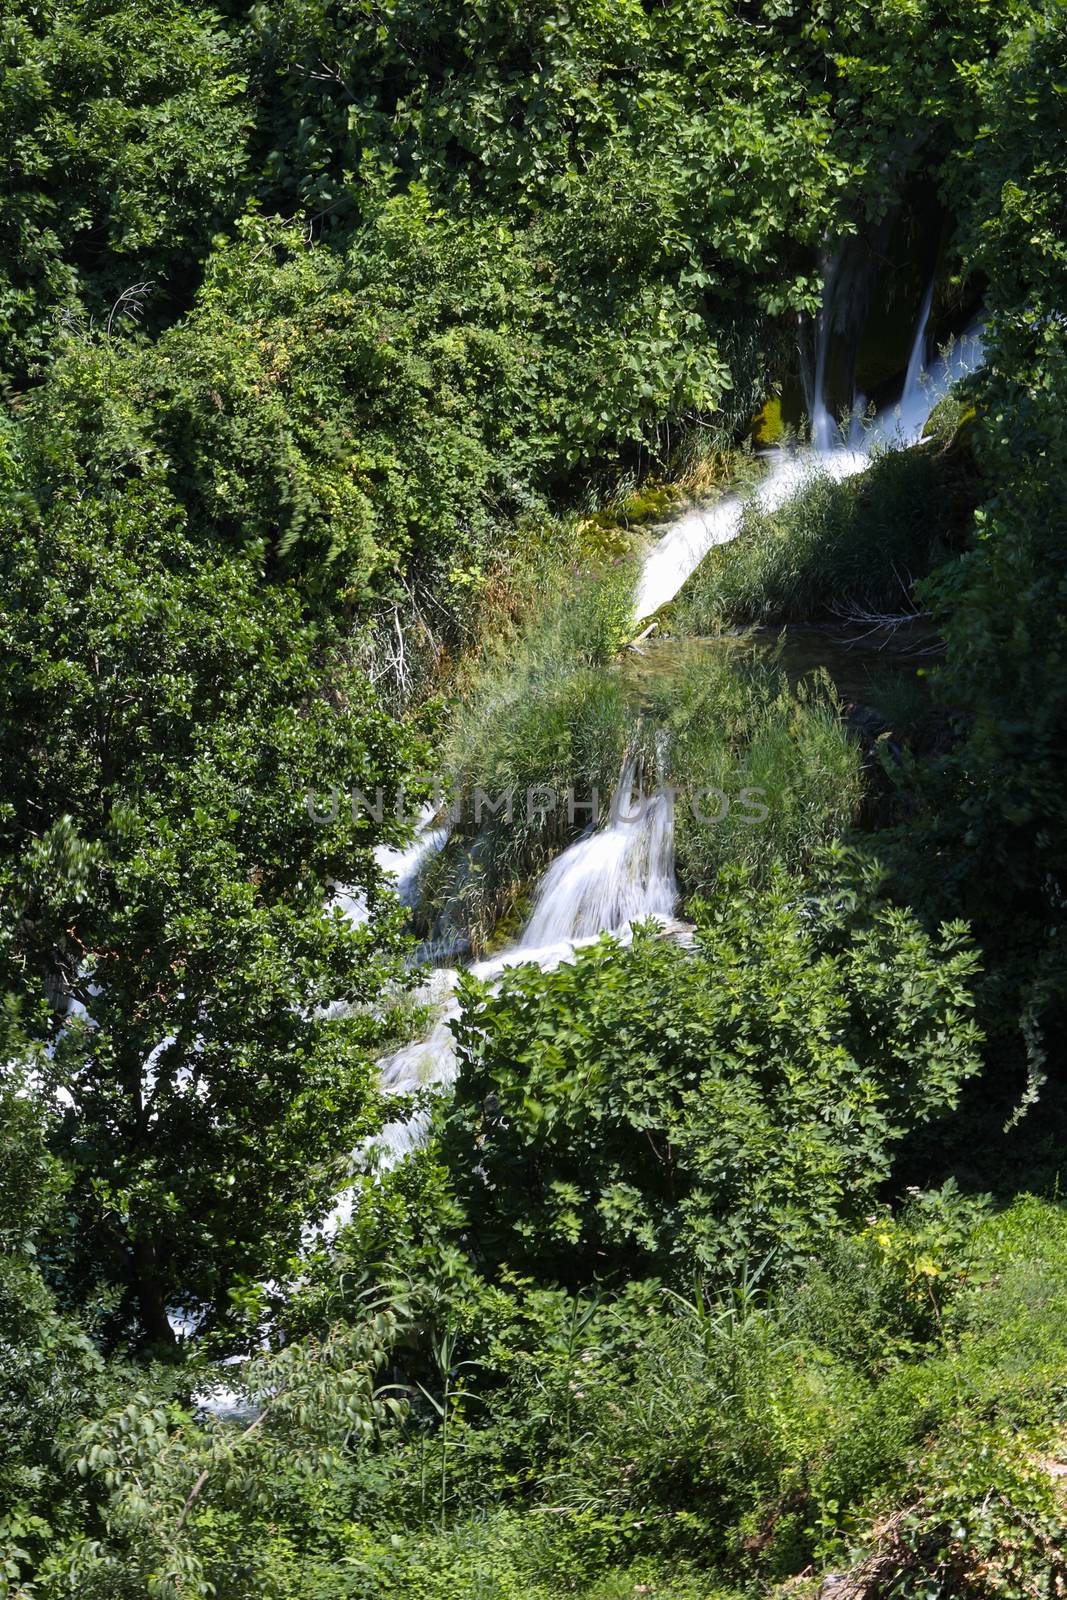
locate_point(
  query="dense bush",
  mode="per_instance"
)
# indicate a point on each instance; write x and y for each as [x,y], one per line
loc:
[654,1111]
[125,149]
[767,774]
[303,415]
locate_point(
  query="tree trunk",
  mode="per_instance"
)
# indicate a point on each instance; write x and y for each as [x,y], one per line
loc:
[157,1333]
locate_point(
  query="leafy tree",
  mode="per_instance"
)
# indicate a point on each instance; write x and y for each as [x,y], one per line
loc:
[165,892]
[665,173]
[359,423]
[124,146]
[994,847]
[49,1371]
[183,1504]
[647,1110]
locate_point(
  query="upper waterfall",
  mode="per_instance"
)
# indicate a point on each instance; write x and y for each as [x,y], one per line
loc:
[917,359]
[687,541]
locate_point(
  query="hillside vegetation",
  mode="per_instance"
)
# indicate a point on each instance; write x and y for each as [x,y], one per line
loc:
[349,350]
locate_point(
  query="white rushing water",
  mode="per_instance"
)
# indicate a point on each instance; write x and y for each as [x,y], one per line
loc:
[607,880]
[623,872]
[917,359]
[687,541]
[612,876]
[823,426]
[404,865]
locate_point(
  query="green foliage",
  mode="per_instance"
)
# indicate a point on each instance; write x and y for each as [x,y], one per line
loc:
[834,547]
[532,252]
[291,415]
[662,164]
[983,1518]
[544,714]
[644,1108]
[991,819]
[125,149]
[766,773]
[169,1481]
[48,1369]
[878,1296]
[165,885]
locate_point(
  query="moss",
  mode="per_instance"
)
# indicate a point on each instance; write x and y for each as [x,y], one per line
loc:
[510,926]
[601,539]
[603,532]
[951,422]
[768,427]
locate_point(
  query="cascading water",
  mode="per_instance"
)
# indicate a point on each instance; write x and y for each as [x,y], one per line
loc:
[686,542]
[607,880]
[613,876]
[623,872]
[824,430]
[917,359]
[404,865]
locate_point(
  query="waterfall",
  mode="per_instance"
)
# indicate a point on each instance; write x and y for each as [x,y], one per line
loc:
[898,427]
[607,880]
[687,541]
[856,421]
[404,865]
[622,872]
[917,359]
[613,876]
[824,430]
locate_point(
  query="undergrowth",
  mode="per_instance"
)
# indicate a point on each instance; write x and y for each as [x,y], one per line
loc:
[892,1413]
[766,772]
[845,549]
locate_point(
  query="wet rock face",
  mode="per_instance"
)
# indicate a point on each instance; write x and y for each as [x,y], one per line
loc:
[875,283]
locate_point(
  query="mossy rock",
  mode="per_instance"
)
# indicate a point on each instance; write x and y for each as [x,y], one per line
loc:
[951,423]
[768,426]
[651,504]
[604,533]
[601,539]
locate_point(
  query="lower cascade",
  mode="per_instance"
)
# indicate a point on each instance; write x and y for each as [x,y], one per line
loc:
[613,876]
[604,882]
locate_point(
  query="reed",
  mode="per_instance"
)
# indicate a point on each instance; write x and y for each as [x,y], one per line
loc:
[545,711]
[836,546]
[736,726]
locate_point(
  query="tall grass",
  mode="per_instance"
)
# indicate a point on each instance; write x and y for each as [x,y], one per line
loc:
[862,543]
[544,711]
[736,726]
[546,553]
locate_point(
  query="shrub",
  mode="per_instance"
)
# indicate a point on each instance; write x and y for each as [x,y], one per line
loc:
[736,728]
[648,1110]
[545,712]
